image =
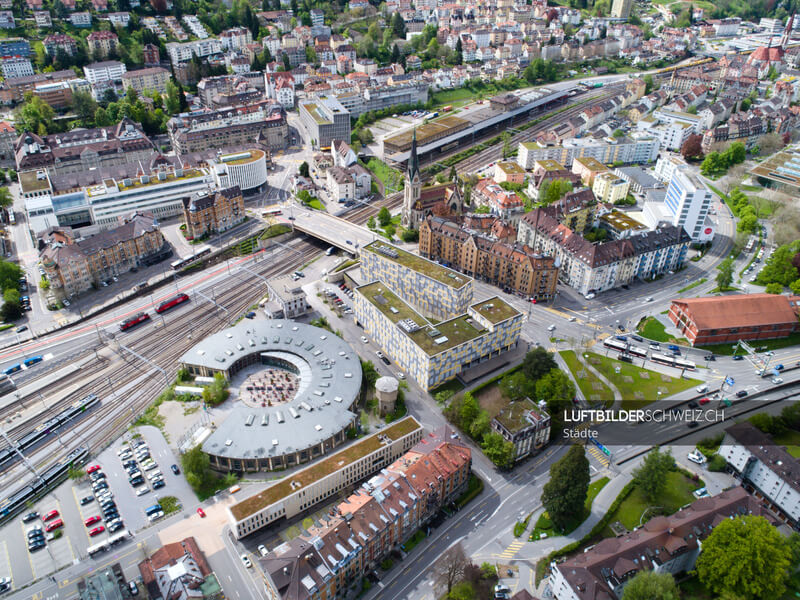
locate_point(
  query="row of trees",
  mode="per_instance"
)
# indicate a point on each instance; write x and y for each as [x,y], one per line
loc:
[9,284]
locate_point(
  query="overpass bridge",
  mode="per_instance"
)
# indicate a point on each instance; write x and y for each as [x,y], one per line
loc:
[328,228]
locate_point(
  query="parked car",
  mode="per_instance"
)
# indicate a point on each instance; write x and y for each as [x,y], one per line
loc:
[97,531]
[157,485]
[91,520]
[246,561]
[741,393]
[30,517]
[51,515]
[201,512]
[175,469]
[262,550]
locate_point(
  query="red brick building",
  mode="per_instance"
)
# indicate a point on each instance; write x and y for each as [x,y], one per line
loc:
[727,319]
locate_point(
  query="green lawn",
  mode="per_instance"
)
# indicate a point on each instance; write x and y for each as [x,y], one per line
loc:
[275,230]
[653,329]
[392,178]
[543,524]
[316,204]
[458,95]
[700,281]
[454,385]
[637,384]
[677,492]
[592,388]
[727,350]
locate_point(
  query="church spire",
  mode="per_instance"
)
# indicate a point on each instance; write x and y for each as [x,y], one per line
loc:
[413,159]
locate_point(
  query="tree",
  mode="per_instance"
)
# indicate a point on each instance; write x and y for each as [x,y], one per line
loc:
[85,107]
[462,590]
[651,475]
[398,26]
[725,275]
[371,222]
[780,268]
[11,309]
[497,449]
[468,411]
[557,389]
[773,288]
[649,585]
[564,495]
[538,362]
[369,375]
[9,275]
[410,235]
[304,169]
[480,426]
[648,84]
[747,557]
[692,148]
[287,65]
[35,115]
[449,569]
[506,136]
[384,216]
[516,385]
[5,197]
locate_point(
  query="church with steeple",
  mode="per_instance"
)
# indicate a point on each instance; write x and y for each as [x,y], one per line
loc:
[418,202]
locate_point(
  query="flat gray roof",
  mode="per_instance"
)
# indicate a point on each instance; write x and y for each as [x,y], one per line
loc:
[330,379]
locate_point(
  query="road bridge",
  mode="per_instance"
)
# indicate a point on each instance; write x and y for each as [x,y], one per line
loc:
[328,228]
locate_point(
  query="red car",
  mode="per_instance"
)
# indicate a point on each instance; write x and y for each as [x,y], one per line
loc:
[51,515]
[92,469]
[91,520]
[704,401]
[201,512]
[97,531]
[54,525]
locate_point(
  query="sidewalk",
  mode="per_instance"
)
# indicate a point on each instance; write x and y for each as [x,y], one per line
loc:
[600,506]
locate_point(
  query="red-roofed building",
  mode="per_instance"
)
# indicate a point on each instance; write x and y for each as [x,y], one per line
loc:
[727,319]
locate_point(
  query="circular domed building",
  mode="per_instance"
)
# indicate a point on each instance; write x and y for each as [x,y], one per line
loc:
[293,387]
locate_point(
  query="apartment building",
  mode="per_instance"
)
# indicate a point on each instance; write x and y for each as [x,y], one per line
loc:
[110,70]
[525,424]
[178,571]
[503,203]
[348,183]
[60,41]
[432,353]
[101,43]
[638,148]
[74,265]
[764,469]
[83,149]
[236,38]
[210,212]
[263,122]
[663,545]
[15,47]
[326,120]
[15,67]
[81,19]
[590,267]
[7,20]
[151,78]
[608,187]
[377,518]
[432,289]
[324,478]
[182,52]
[477,255]
[246,169]
[8,137]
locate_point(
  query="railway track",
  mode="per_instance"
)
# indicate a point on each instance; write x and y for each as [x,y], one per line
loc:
[124,371]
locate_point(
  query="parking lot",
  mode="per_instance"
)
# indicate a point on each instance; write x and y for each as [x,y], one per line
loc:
[71,546]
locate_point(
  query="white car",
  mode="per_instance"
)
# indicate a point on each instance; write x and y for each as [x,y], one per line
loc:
[246,561]
[154,474]
[142,491]
[777,380]
[589,296]
[379,354]
[262,550]
[696,457]
[401,376]
[151,466]
[156,516]
[551,328]
[649,299]
[702,389]
[66,302]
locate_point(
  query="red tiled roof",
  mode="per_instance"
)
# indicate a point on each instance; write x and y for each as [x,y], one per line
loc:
[742,310]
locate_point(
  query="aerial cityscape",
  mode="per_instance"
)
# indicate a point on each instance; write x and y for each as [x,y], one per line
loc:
[399,300]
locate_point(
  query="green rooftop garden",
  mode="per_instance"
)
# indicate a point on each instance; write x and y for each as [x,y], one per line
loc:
[457,331]
[421,265]
[384,300]
[495,309]
[513,416]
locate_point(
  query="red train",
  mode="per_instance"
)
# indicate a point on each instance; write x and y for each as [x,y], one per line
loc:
[134,321]
[167,304]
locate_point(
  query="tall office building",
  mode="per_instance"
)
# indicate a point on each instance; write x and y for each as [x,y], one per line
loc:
[688,201]
[621,9]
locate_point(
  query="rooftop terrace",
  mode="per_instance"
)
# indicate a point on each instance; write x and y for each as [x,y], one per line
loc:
[420,265]
[333,463]
[512,416]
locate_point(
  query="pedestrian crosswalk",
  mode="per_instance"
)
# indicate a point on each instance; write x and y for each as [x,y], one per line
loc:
[598,456]
[512,549]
